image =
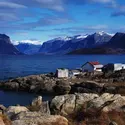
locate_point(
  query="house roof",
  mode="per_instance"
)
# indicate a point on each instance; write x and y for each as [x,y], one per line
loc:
[94,63]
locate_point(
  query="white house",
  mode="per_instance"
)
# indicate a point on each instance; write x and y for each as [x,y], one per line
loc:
[113,67]
[62,73]
[92,66]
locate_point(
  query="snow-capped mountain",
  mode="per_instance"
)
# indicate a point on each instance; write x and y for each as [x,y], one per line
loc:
[116,45]
[67,44]
[28,46]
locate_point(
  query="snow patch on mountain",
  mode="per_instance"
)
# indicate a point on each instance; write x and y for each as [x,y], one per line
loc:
[34,42]
[101,33]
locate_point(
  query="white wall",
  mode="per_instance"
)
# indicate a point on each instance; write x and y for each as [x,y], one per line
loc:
[88,67]
[118,67]
[123,66]
[62,73]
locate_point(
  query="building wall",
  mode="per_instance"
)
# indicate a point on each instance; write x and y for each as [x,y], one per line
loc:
[62,73]
[98,67]
[99,70]
[123,66]
[87,67]
[118,67]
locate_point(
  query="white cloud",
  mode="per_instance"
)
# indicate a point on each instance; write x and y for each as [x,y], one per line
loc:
[35,42]
[52,4]
[11,5]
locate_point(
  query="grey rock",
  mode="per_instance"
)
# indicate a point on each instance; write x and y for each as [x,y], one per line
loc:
[2,109]
[68,104]
[13,110]
[62,87]
[37,101]
[44,108]
[35,118]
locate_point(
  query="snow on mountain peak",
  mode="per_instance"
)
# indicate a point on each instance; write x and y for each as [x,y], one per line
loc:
[101,33]
[82,36]
[35,42]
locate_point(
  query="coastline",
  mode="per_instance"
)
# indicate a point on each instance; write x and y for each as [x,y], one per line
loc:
[49,84]
[89,95]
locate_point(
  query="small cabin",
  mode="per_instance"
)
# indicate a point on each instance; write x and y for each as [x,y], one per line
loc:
[92,66]
[75,72]
[110,67]
[62,73]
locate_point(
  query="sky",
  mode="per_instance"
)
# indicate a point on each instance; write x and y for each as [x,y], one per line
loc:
[41,20]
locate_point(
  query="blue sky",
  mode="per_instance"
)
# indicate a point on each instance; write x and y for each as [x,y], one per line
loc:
[46,19]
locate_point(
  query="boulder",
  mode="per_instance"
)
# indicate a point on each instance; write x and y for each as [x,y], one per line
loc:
[35,118]
[108,102]
[34,83]
[2,109]
[44,108]
[62,87]
[37,101]
[13,110]
[11,86]
[87,87]
[68,104]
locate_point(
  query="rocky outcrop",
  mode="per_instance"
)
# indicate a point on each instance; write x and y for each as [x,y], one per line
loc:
[68,104]
[35,83]
[13,110]
[35,118]
[62,87]
[87,87]
[48,84]
[40,106]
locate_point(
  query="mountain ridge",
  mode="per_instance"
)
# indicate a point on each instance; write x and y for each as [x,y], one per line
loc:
[116,45]
[60,46]
[6,47]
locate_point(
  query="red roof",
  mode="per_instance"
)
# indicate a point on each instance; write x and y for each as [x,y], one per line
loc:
[94,63]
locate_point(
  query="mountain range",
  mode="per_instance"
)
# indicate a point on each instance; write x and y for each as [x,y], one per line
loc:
[68,44]
[97,43]
[6,47]
[28,48]
[116,45]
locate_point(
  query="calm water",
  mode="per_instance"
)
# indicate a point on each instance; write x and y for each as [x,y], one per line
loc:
[14,66]
[22,98]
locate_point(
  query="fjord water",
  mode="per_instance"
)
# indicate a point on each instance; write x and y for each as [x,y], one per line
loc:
[21,98]
[16,66]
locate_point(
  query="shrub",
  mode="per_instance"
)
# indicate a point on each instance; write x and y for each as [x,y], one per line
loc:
[93,116]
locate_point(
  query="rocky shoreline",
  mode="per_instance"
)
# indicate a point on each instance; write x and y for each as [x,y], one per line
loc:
[83,83]
[69,109]
[86,99]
